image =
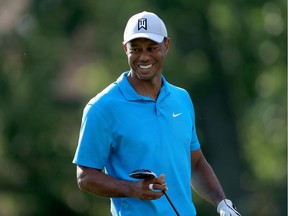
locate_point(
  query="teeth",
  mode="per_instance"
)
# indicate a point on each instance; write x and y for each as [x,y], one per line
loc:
[145,66]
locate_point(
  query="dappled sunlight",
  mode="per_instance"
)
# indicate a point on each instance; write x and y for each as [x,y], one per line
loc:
[273,21]
[222,17]
[264,128]
[57,55]
[197,66]
[268,52]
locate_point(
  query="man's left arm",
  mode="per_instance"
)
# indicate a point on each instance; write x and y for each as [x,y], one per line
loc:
[206,184]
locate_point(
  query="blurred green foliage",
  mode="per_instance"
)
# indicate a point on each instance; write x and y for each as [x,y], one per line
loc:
[56,55]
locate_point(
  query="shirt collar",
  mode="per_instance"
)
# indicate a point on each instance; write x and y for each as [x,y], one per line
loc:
[131,95]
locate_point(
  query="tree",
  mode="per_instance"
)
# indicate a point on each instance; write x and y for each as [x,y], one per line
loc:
[56,55]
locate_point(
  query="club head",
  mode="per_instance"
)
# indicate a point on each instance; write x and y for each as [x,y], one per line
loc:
[142,174]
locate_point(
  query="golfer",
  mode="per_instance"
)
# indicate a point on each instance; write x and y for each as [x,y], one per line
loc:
[141,121]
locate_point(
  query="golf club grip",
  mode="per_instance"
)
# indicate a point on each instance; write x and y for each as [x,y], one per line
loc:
[171,203]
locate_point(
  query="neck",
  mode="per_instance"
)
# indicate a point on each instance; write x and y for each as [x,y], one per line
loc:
[149,88]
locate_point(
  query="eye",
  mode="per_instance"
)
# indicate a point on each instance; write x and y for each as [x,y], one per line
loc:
[134,49]
[153,48]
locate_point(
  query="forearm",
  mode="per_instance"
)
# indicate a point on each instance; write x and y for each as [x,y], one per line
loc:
[206,184]
[99,183]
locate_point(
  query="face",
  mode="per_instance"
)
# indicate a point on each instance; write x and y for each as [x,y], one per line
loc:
[146,57]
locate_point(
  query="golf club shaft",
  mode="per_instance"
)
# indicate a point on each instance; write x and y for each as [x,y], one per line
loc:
[171,203]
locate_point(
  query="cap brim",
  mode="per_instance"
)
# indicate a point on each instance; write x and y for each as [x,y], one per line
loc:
[150,36]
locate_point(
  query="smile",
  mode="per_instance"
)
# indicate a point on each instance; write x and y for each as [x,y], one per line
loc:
[145,66]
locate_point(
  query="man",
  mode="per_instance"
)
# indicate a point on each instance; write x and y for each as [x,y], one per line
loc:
[143,122]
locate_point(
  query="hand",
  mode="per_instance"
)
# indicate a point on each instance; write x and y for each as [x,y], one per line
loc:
[226,208]
[143,192]
[158,186]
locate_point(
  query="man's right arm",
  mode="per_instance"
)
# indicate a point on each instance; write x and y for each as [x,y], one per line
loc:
[96,182]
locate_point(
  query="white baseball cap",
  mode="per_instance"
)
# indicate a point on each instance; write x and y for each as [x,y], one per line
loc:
[145,25]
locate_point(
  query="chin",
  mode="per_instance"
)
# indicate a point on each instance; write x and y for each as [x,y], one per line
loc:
[146,76]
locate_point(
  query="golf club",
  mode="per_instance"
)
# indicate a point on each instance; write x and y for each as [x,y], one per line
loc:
[146,174]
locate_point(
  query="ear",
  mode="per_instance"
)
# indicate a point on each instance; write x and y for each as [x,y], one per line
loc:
[125,47]
[167,45]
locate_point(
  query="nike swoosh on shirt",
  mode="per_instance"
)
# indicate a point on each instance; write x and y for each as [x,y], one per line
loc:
[176,115]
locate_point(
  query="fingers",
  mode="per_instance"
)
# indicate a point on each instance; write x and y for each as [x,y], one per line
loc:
[162,176]
[227,213]
[160,180]
[158,187]
[152,189]
[150,192]
[158,184]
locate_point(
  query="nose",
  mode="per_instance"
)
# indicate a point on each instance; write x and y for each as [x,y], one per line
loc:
[144,56]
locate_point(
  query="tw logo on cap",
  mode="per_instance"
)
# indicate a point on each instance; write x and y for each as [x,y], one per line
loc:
[142,23]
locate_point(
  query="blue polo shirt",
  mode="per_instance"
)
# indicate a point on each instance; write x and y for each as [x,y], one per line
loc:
[123,131]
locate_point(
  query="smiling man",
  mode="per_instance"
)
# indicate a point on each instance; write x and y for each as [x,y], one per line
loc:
[143,122]
[146,60]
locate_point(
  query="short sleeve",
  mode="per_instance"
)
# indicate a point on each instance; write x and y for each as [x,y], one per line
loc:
[94,139]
